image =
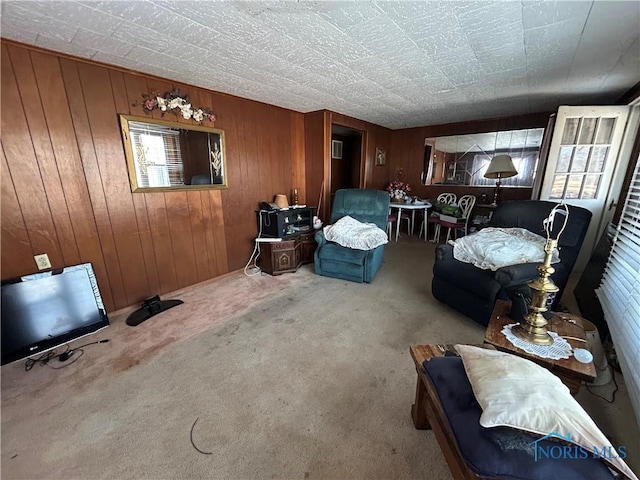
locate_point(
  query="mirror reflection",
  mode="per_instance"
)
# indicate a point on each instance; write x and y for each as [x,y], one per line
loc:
[165,155]
[463,159]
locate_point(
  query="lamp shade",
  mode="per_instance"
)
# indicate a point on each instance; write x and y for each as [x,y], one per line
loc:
[501,166]
[281,201]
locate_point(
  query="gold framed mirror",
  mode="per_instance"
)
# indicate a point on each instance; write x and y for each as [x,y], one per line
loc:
[163,155]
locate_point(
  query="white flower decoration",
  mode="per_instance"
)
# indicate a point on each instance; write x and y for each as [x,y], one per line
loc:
[198,115]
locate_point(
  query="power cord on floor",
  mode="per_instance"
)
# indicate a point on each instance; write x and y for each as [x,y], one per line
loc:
[46,357]
[194,445]
[251,268]
[613,378]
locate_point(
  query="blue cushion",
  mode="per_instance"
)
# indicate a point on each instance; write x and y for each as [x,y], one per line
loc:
[338,253]
[499,452]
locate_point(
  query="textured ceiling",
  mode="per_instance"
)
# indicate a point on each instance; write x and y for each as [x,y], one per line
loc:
[396,64]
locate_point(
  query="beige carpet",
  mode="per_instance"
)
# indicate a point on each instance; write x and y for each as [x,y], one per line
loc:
[296,376]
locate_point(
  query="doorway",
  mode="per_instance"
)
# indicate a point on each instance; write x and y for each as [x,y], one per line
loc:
[346,158]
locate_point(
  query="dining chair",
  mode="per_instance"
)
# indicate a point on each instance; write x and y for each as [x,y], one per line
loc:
[392,218]
[466,204]
[447,198]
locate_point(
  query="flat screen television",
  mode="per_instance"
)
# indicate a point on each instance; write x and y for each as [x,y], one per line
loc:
[44,310]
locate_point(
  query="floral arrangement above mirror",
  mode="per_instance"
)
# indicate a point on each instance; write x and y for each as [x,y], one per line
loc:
[177,104]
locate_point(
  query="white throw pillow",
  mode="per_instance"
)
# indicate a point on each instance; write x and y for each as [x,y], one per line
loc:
[351,233]
[516,392]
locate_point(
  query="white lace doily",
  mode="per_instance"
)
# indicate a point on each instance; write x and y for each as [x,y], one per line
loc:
[560,348]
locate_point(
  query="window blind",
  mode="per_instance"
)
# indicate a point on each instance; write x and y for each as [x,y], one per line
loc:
[619,291]
[159,159]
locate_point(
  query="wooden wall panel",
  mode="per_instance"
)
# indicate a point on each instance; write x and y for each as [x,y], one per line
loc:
[99,94]
[378,176]
[315,151]
[25,173]
[109,275]
[14,231]
[40,136]
[66,191]
[297,154]
[317,128]
[133,85]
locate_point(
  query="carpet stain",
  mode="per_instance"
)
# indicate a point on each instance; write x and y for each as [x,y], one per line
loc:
[133,358]
[375,382]
[228,330]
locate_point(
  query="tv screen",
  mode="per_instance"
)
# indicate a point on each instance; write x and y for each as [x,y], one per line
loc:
[44,310]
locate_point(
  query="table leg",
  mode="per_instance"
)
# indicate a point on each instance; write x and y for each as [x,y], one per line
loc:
[398,223]
[413,219]
[418,412]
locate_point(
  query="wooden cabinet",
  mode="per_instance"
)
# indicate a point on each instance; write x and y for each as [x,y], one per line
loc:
[287,255]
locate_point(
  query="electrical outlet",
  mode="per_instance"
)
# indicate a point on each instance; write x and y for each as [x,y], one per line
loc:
[42,261]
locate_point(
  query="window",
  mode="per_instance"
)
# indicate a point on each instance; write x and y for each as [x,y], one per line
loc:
[584,149]
[619,292]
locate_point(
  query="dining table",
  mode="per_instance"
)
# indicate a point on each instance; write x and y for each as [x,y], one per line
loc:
[413,207]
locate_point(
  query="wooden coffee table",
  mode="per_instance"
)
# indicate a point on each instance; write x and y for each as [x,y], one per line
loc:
[569,370]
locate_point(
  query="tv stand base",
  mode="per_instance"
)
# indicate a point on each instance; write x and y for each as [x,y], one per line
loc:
[150,307]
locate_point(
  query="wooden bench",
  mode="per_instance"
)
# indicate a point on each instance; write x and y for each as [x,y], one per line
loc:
[499,452]
[427,412]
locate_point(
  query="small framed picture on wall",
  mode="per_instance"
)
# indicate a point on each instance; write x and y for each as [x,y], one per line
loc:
[381,157]
[336,149]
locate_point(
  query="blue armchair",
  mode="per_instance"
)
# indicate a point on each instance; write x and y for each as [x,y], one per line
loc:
[333,260]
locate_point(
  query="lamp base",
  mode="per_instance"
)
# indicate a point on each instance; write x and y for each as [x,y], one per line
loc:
[532,334]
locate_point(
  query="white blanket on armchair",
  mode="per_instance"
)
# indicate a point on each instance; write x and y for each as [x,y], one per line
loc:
[493,248]
[351,233]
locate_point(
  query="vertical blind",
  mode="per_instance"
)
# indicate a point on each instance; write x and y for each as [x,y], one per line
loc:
[619,292]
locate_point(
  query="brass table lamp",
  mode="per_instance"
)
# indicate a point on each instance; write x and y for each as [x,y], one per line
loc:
[533,328]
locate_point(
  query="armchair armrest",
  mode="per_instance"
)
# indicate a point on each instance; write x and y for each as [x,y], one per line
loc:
[319,237]
[444,252]
[516,274]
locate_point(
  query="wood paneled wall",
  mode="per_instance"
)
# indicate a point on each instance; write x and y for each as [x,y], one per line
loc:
[318,154]
[65,186]
[408,153]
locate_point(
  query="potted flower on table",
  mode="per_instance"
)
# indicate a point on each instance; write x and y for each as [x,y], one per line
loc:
[398,190]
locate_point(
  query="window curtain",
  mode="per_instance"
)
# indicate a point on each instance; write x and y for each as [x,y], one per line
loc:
[619,291]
